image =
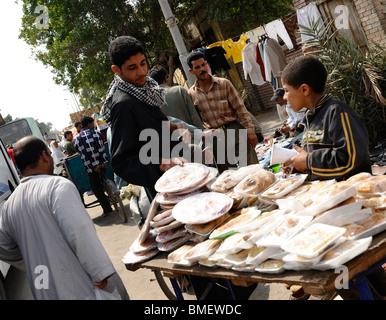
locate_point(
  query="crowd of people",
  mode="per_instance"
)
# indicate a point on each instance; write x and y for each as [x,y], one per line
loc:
[60,234]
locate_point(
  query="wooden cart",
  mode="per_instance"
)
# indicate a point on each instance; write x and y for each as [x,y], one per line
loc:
[313,282]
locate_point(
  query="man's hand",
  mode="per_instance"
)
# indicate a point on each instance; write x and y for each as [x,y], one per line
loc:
[299,162]
[284,128]
[166,164]
[183,131]
[101,284]
[252,139]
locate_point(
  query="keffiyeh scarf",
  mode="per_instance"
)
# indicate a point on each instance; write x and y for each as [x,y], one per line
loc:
[151,93]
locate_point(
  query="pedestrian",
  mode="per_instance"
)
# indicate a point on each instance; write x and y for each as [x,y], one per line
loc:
[89,143]
[78,126]
[335,141]
[70,148]
[292,127]
[220,107]
[132,107]
[178,102]
[58,156]
[45,230]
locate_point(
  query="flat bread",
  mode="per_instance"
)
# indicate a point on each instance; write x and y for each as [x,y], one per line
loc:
[202,208]
[180,178]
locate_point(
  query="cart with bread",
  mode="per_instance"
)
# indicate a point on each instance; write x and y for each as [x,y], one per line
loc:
[251,225]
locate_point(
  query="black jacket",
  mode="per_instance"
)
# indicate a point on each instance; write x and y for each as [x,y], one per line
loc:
[129,118]
[336,141]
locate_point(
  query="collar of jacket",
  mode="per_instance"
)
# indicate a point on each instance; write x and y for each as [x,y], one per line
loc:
[318,105]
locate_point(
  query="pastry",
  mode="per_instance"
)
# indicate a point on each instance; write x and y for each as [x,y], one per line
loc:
[271,264]
[353,230]
[359,177]
[178,254]
[374,184]
[373,220]
[254,184]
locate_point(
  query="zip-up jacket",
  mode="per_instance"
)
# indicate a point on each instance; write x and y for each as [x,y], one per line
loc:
[336,141]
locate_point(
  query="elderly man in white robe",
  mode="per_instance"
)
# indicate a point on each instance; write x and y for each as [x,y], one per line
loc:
[45,230]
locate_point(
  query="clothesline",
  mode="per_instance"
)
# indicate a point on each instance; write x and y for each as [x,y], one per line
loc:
[317,2]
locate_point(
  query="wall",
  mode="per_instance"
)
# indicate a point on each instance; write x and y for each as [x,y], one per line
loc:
[371,15]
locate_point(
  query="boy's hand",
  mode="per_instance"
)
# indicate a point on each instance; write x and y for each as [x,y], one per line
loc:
[166,164]
[299,162]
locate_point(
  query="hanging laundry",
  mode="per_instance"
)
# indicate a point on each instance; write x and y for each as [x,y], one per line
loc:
[254,34]
[225,44]
[237,47]
[277,28]
[274,59]
[250,66]
[307,16]
[260,62]
[216,59]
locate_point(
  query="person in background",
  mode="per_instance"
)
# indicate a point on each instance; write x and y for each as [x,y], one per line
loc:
[45,230]
[292,127]
[178,102]
[220,107]
[58,156]
[69,146]
[89,144]
[78,126]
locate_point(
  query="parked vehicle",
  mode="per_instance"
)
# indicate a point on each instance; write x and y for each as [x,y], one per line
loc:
[9,179]
[20,128]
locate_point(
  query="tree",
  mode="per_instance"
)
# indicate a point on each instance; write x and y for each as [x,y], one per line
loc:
[76,42]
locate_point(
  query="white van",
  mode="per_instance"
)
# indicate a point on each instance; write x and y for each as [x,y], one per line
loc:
[9,179]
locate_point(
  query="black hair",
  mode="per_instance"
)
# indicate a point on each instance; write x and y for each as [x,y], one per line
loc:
[86,120]
[308,70]
[77,123]
[122,48]
[193,56]
[28,151]
[158,73]
[66,134]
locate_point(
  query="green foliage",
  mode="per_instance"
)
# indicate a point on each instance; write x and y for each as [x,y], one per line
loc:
[354,76]
[76,43]
[246,13]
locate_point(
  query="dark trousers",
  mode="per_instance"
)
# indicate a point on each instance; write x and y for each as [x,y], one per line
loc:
[96,184]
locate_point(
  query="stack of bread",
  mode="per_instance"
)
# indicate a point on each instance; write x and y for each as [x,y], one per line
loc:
[308,231]
[310,225]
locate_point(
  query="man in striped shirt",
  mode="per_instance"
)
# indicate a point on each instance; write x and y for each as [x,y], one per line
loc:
[221,107]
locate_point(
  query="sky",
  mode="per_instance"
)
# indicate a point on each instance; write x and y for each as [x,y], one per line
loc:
[27,87]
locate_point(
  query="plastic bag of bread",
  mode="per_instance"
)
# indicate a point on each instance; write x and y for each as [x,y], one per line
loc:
[373,185]
[377,202]
[202,250]
[237,175]
[178,255]
[255,183]
[359,177]
[219,184]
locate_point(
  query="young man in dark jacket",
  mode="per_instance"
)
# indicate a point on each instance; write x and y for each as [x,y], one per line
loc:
[335,142]
[132,109]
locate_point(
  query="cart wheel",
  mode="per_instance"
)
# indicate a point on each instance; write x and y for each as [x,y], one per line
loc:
[164,287]
[113,193]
